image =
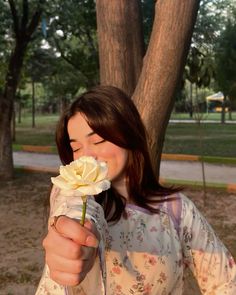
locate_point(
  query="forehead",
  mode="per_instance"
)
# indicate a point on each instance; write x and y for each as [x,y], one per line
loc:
[78,127]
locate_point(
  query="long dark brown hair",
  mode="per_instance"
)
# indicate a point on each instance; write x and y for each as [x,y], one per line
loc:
[112,115]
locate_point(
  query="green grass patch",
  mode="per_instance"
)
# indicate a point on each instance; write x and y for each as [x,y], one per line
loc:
[218,140]
[42,134]
[203,116]
[41,121]
[219,160]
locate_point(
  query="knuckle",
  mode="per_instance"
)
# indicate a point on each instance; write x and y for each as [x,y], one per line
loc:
[45,242]
[53,275]
[74,280]
[69,279]
[48,261]
[79,264]
[75,251]
[62,221]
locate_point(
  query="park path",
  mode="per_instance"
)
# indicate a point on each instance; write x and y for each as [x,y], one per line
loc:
[170,170]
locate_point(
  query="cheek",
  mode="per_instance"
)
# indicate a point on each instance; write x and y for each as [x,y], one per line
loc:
[113,153]
[116,160]
[76,155]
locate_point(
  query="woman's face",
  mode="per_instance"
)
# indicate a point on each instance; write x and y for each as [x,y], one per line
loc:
[85,142]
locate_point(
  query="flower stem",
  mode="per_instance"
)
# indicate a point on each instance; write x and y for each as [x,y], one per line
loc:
[84,198]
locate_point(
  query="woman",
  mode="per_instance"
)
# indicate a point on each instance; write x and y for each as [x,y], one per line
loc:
[152,232]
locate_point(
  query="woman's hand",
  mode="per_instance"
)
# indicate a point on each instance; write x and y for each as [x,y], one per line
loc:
[70,250]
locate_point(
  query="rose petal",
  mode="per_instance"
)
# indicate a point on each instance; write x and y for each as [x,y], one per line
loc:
[104,185]
[61,183]
[87,190]
[103,170]
[85,176]
[77,166]
[90,172]
[68,174]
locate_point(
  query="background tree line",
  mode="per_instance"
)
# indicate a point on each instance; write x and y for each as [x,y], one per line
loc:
[52,50]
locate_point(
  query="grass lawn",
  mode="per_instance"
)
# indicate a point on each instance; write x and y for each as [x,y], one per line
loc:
[209,116]
[42,134]
[218,140]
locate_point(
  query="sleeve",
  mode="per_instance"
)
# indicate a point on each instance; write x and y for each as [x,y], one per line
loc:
[65,203]
[209,260]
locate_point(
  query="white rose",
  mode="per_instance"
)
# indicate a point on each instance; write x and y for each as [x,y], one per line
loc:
[84,176]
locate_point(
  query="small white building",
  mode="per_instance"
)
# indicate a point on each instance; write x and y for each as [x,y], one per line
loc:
[214,102]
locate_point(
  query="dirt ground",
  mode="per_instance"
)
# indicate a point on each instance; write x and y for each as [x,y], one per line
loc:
[23,222]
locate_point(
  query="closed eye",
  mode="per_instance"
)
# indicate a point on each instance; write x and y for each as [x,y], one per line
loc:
[75,150]
[100,141]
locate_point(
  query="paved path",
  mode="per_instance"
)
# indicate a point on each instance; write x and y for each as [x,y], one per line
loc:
[192,121]
[174,170]
[192,171]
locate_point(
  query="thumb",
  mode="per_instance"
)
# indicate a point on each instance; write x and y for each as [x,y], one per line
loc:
[92,228]
[73,230]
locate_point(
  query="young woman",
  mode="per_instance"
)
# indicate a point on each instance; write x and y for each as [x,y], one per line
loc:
[149,234]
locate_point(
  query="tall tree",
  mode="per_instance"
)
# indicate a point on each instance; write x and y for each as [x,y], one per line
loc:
[226,61]
[73,33]
[23,27]
[120,41]
[200,67]
[162,65]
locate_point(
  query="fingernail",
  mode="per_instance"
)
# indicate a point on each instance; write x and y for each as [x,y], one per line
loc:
[92,242]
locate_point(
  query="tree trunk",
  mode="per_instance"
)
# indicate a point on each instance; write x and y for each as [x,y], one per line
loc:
[163,66]
[191,101]
[121,43]
[223,110]
[19,110]
[33,104]
[22,30]
[6,159]
[6,109]
[14,123]
[63,104]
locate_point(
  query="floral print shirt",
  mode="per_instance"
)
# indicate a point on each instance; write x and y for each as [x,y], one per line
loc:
[147,254]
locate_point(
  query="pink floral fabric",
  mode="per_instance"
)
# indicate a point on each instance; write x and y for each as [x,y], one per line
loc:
[145,254]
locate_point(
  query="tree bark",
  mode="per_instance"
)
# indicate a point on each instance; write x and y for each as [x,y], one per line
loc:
[6,160]
[33,103]
[223,110]
[162,68]
[6,110]
[19,110]
[13,123]
[121,43]
[23,32]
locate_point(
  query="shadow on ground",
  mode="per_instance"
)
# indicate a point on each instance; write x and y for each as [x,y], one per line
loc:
[23,223]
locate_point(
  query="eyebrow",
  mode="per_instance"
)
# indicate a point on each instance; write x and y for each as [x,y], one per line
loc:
[88,135]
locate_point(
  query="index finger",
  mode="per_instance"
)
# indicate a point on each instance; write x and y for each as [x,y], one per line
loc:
[72,229]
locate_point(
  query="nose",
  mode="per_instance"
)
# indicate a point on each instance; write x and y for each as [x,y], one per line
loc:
[89,152]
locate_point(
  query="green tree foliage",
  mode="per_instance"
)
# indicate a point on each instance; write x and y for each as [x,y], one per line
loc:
[72,31]
[200,69]
[212,16]
[148,9]
[226,61]
[200,63]
[226,57]
[6,39]
[25,17]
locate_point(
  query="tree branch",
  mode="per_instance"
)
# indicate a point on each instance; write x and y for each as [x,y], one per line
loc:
[91,43]
[35,19]
[68,60]
[25,16]
[14,17]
